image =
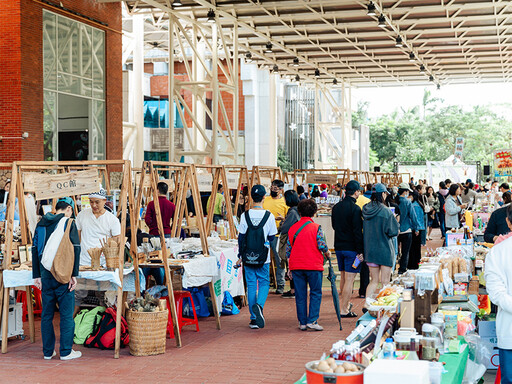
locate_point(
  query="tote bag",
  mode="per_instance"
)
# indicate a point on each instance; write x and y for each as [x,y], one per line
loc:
[64,260]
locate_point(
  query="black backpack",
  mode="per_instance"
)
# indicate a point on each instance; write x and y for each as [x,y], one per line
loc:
[254,252]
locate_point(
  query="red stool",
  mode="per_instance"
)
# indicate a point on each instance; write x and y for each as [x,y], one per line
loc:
[179,296]
[38,302]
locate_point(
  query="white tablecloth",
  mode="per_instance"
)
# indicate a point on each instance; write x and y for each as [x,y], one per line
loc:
[87,280]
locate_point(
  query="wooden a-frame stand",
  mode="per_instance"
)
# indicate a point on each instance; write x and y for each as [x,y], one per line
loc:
[17,191]
[184,178]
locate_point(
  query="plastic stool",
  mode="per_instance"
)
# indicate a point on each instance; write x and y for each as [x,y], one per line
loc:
[179,296]
[498,376]
[38,302]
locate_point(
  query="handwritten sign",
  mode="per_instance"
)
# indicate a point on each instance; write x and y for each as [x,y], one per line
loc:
[66,184]
[232,180]
[315,178]
[205,182]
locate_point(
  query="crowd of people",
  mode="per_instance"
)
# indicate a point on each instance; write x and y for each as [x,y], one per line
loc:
[378,230]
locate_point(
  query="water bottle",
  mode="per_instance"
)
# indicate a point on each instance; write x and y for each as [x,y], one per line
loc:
[356,263]
[388,349]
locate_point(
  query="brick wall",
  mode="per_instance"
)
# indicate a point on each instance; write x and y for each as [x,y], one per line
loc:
[159,88]
[21,74]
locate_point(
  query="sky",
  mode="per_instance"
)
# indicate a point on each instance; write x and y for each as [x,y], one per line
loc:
[385,100]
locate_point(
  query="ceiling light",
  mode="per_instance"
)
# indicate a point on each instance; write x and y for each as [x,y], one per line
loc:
[268,48]
[211,16]
[431,78]
[248,57]
[297,78]
[296,62]
[177,3]
[334,82]
[317,73]
[411,57]
[382,21]
[275,69]
[398,43]
[371,9]
[438,86]
[422,68]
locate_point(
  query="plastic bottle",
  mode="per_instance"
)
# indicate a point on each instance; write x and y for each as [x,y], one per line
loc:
[349,354]
[388,349]
[357,352]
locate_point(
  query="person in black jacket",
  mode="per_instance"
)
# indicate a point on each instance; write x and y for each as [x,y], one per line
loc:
[54,292]
[441,195]
[497,222]
[347,222]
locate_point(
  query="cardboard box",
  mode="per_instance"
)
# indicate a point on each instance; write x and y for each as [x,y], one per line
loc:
[397,371]
[495,360]
[487,328]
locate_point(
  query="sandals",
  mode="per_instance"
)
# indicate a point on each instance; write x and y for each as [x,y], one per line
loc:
[349,315]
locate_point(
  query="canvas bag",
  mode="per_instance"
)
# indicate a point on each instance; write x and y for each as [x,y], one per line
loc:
[86,323]
[64,260]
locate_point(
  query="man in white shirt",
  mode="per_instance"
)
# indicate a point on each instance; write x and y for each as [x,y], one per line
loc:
[257,273]
[96,224]
[498,278]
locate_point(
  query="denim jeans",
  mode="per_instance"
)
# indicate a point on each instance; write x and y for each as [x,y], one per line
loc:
[157,273]
[258,284]
[54,293]
[405,239]
[280,272]
[506,366]
[442,225]
[303,278]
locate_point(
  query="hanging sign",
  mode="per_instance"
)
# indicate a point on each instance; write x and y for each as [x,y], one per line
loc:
[459,147]
[315,178]
[205,182]
[232,180]
[28,181]
[503,163]
[66,184]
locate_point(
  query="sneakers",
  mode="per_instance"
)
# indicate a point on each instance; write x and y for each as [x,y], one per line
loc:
[279,291]
[50,357]
[303,327]
[253,325]
[288,295]
[73,355]
[315,326]
[258,311]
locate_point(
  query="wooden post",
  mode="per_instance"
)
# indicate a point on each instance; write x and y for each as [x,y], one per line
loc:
[227,200]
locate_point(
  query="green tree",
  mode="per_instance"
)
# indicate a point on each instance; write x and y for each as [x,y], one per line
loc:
[283,160]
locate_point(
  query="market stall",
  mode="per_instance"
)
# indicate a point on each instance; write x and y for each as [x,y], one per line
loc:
[50,181]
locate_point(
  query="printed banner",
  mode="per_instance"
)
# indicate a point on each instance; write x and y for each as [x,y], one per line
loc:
[503,163]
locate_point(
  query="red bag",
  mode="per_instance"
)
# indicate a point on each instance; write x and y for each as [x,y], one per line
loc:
[105,336]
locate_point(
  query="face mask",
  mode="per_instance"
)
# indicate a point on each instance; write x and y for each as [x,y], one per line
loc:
[273,194]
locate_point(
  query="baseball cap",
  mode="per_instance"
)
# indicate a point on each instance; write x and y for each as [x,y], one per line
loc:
[68,200]
[468,181]
[102,194]
[379,188]
[258,190]
[405,186]
[324,186]
[353,185]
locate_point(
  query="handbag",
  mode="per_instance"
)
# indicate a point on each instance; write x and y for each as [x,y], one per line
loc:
[64,260]
[426,207]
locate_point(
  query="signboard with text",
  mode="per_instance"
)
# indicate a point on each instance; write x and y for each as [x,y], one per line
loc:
[66,184]
[503,163]
[315,178]
[205,181]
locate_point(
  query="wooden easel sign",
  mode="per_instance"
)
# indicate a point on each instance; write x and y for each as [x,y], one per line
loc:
[312,178]
[66,184]
[205,182]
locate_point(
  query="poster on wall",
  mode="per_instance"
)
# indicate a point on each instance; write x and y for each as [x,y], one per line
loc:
[503,163]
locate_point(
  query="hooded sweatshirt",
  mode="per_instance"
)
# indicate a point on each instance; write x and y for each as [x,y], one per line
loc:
[44,229]
[379,228]
[498,278]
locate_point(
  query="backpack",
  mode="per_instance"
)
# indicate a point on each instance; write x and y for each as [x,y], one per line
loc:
[86,323]
[254,252]
[105,336]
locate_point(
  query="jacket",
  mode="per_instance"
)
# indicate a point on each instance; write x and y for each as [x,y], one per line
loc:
[498,278]
[307,249]
[347,222]
[167,209]
[497,225]
[43,231]
[407,215]
[452,209]
[291,218]
[442,201]
[379,228]
[419,216]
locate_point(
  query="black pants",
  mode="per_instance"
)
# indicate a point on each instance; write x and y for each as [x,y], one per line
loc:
[364,278]
[415,252]
[404,240]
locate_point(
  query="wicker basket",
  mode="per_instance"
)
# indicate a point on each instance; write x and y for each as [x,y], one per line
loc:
[111,257]
[147,332]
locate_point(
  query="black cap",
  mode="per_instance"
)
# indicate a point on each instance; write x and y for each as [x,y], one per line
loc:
[353,185]
[258,191]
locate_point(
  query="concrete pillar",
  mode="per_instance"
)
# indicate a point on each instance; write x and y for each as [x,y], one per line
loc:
[137,88]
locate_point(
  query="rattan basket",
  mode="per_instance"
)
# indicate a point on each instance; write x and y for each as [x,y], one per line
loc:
[147,332]
[111,257]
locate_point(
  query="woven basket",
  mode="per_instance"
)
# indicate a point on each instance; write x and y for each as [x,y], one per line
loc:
[147,332]
[111,257]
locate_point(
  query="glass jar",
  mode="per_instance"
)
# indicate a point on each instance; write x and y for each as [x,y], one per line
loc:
[428,348]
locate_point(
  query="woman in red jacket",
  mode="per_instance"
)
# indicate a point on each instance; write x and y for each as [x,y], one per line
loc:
[306,249]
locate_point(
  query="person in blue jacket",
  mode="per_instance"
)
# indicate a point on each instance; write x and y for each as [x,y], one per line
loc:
[419,224]
[407,225]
